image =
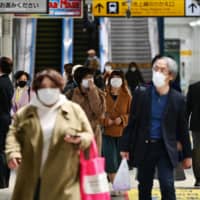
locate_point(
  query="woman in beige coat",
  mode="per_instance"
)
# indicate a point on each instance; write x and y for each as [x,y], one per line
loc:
[43,143]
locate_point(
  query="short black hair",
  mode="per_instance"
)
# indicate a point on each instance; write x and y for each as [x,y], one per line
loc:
[19,73]
[6,65]
[81,72]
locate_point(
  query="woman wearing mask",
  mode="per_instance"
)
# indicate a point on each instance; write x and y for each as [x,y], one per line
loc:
[118,101]
[91,99]
[44,140]
[23,92]
[133,76]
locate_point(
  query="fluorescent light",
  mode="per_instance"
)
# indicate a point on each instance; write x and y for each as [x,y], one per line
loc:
[195,23]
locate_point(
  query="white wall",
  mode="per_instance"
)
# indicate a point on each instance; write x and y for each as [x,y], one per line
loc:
[179,28]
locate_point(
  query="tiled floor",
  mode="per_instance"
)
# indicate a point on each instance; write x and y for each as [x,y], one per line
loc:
[189,182]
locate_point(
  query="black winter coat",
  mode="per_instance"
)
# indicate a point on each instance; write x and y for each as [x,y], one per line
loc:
[174,126]
[6,93]
[193,106]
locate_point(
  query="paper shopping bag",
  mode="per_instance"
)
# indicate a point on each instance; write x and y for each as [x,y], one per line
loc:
[122,180]
[93,179]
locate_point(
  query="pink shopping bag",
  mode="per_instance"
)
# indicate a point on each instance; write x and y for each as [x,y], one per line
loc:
[93,179]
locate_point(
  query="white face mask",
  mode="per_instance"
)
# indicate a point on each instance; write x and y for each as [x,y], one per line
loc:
[158,79]
[108,68]
[48,96]
[116,82]
[133,69]
[85,82]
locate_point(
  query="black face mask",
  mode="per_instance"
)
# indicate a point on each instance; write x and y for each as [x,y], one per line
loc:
[22,84]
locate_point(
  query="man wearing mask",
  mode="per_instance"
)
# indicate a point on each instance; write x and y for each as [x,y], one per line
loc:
[157,121]
[6,93]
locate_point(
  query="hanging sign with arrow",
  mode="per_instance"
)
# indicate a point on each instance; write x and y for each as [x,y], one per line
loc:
[110,8]
[192,7]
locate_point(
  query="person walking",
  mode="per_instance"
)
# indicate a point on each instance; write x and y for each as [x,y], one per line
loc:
[44,140]
[91,99]
[157,121]
[6,93]
[193,113]
[134,76]
[23,92]
[118,101]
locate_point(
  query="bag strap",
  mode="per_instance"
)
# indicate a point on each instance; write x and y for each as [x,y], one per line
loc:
[29,94]
[93,152]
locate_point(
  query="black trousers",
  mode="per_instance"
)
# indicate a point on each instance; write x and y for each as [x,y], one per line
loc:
[37,190]
[156,157]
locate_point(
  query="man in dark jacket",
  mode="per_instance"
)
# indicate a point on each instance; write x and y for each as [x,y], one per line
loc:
[157,121]
[6,93]
[193,113]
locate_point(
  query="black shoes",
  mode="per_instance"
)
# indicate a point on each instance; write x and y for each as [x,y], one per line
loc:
[197,183]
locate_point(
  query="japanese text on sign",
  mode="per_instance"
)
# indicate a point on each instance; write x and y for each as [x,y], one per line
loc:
[23,6]
[157,8]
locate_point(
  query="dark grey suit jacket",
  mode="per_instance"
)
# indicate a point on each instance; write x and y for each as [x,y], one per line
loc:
[174,126]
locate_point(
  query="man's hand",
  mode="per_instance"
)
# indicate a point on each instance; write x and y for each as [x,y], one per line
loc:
[125,155]
[187,163]
[14,163]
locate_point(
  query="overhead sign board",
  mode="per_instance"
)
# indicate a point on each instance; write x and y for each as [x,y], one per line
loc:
[60,8]
[23,6]
[146,8]
[141,8]
[109,8]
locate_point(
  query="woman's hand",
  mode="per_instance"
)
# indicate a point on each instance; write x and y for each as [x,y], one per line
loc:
[118,121]
[124,155]
[110,122]
[14,163]
[74,139]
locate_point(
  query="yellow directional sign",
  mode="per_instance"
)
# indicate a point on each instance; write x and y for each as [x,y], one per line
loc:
[181,194]
[110,8]
[141,8]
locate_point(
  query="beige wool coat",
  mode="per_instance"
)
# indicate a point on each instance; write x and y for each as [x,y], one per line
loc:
[60,175]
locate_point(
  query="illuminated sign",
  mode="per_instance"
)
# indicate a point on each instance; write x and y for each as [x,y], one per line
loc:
[157,8]
[109,8]
[23,6]
[65,7]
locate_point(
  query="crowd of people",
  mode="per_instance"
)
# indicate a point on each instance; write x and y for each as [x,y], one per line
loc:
[43,126]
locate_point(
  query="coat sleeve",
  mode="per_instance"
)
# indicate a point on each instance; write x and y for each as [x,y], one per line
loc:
[97,102]
[86,132]
[13,146]
[124,117]
[189,103]
[129,135]
[183,136]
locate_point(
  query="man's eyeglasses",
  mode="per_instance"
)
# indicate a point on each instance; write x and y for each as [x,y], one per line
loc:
[161,69]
